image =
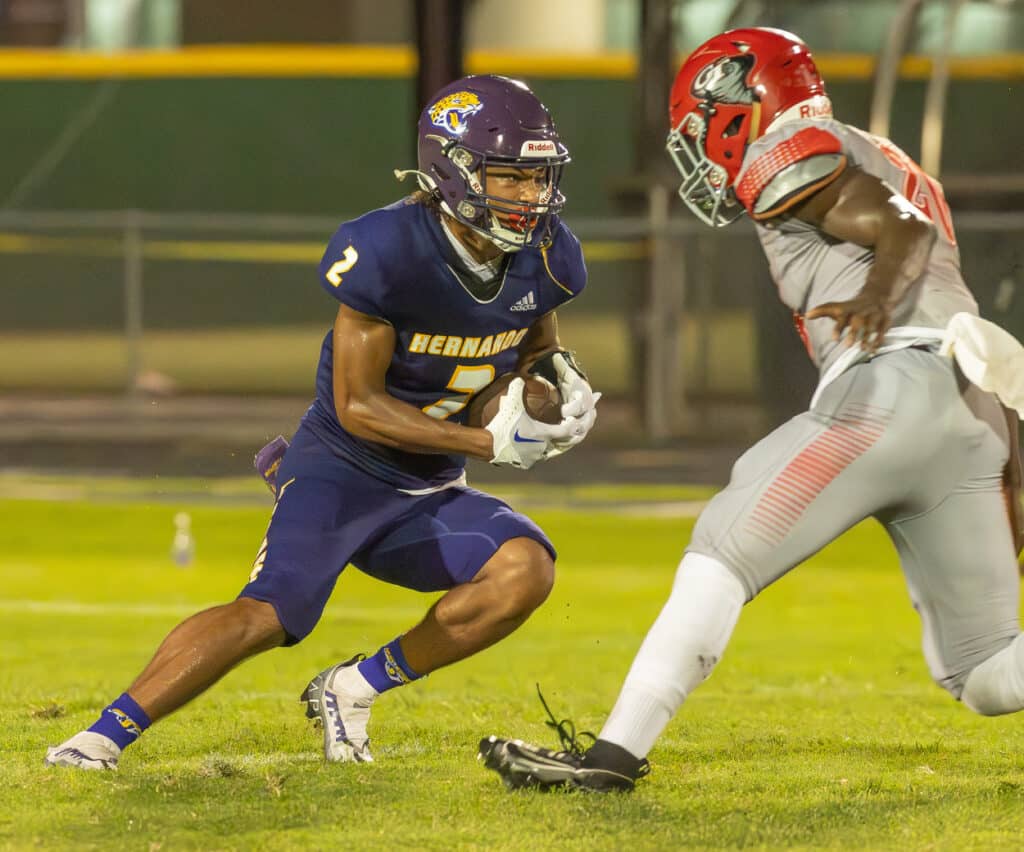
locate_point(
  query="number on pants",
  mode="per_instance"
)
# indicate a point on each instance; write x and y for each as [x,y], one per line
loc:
[261,556]
[466,381]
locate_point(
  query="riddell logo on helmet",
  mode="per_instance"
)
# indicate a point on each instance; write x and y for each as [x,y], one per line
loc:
[815,110]
[540,148]
[817,107]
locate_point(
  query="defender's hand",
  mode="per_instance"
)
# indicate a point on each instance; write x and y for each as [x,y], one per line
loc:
[864,319]
[521,441]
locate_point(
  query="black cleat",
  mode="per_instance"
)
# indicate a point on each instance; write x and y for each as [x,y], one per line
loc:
[607,767]
[523,765]
[603,768]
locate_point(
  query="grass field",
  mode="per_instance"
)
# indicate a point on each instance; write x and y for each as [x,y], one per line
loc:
[819,729]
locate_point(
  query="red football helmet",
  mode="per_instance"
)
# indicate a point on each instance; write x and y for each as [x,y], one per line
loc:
[728,93]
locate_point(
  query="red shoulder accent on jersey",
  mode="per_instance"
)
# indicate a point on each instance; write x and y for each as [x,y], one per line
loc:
[799,146]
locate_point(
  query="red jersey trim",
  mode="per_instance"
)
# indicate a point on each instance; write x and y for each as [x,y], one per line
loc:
[806,143]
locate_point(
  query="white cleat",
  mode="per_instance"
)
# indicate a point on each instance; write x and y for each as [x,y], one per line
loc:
[85,750]
[339,698]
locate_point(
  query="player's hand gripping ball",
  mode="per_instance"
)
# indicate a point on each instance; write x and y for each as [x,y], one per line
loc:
[542,400]
[519,437]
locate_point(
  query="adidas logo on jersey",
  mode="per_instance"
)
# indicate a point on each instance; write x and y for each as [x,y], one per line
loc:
[527,303]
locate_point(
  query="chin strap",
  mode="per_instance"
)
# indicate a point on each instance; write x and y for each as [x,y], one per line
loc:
[425,181]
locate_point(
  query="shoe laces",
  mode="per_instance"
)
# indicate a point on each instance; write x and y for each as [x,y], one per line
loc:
[568,736]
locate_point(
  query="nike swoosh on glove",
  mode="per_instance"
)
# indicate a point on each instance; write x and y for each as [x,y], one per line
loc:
[519,440]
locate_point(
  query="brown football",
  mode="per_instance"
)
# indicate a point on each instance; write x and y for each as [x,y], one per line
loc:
[543,402]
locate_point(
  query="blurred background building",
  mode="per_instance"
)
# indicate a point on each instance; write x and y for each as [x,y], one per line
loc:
[171,170]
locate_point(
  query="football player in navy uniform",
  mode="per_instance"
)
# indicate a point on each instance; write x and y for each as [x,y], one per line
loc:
[861,246]
[438,294]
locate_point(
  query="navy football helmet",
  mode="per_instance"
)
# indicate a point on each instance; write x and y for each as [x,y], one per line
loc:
[480,122]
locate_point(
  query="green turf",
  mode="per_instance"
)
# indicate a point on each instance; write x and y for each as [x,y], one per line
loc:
[819,729]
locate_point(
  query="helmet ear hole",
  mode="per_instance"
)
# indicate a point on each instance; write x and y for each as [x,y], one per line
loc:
[733,127]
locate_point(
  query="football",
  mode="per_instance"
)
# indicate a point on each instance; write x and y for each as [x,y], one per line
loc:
[542,399]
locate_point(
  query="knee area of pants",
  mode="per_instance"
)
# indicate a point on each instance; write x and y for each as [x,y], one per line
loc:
[996,685]
[980,700]
[525,577]
[954,685]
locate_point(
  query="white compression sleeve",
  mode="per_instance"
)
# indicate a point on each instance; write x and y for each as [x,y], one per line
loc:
[996,686]
[679,652]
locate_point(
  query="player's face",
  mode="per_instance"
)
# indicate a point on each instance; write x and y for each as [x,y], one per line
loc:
[514,189]
[517,184]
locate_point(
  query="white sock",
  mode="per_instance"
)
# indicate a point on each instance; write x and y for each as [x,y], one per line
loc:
[354,682]
[996,686]
[680,650]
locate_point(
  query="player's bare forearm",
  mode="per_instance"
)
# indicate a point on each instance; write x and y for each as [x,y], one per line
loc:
[903,245]
[386,420]
[861,209]
[539,340]
[363,346]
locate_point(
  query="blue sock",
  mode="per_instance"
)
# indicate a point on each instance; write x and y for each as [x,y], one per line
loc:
[387,668]
[122,720]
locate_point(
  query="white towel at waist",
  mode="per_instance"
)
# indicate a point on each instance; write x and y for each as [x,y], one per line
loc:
[988,356]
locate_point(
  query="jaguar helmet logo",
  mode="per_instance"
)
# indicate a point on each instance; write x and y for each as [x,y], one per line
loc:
[724,81]
[452,111]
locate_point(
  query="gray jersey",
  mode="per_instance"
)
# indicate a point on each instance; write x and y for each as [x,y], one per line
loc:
[902,437]
[810,268]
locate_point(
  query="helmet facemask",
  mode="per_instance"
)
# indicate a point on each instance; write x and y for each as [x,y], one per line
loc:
[511,224]
[707,186]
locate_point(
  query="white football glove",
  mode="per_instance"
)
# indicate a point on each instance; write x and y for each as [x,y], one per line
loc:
[572,385]
[580,401]
[521,441]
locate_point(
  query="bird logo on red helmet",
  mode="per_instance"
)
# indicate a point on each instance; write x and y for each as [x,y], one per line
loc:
[724,81]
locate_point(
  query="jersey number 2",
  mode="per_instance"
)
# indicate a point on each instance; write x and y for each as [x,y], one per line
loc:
[340,267]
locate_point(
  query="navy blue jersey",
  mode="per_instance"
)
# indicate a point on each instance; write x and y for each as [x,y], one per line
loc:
[393,263]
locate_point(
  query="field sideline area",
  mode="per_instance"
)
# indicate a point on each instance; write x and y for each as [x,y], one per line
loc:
[820,728]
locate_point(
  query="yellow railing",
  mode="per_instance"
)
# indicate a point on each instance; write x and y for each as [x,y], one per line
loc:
[243,251]
[400,61]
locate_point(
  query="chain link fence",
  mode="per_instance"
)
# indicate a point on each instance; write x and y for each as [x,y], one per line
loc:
[679,322]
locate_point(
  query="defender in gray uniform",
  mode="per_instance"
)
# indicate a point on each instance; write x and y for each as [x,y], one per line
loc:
[861,246]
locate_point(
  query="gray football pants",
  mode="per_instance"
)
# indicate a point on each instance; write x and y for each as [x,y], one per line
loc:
[906,439]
